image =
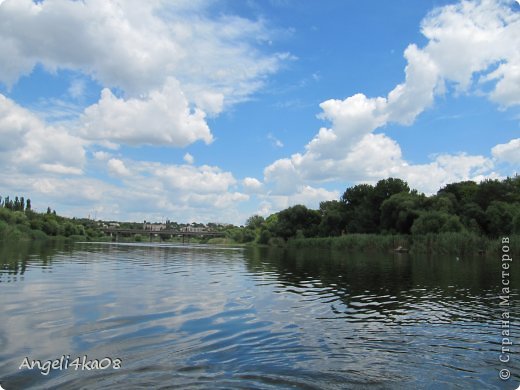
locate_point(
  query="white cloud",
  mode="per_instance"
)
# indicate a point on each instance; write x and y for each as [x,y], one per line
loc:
[446,169]
[173,63]
[373,158]
[101,155]
[264,209]
[189,159]
[252,185]
[409,99]
[163,117]
[61,169]
[509,152]
[145,191]
[136,45]
[117,168]
[34,146]
[204,179]
[484,34]
[283,176]
[14,124]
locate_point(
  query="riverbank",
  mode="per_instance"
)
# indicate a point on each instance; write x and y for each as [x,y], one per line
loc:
[460,244]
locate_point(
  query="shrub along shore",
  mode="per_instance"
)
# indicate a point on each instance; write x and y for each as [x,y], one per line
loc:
[459,244]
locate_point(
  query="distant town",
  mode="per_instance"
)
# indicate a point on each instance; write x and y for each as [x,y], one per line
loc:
[168,225]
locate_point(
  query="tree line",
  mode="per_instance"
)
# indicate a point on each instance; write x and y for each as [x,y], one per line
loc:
[18,204]
[490,208]
[19,221]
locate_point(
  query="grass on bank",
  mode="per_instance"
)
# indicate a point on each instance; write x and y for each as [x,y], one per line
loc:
[461,244]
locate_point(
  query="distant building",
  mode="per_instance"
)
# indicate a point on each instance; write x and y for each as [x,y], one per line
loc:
[154,227]
[193,229]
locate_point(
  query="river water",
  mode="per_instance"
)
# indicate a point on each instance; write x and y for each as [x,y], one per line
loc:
[188,316]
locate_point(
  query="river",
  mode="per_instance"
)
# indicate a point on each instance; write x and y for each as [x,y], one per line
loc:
[195,316]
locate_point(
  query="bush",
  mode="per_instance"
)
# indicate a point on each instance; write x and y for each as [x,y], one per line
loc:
[38,235]
[264,236]
[436,222]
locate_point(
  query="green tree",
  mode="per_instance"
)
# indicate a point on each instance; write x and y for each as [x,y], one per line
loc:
[363,204]
[399,212]
[516,223]
[385,188]
[297,218]
[491,191]
[255,222]
[499,217]
[444,202]
[333,218]
[463,192]
[513,189]
[473,217]
[359,212]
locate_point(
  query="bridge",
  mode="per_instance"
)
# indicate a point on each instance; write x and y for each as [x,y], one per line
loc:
[162,233]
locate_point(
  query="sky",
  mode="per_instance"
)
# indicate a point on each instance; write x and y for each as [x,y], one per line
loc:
[213,111]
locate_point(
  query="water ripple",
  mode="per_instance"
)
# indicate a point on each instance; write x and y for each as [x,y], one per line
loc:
[207,317]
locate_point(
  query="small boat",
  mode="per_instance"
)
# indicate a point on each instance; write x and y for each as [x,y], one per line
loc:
[400,249]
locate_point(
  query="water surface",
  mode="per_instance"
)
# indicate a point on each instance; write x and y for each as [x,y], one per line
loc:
[187,316]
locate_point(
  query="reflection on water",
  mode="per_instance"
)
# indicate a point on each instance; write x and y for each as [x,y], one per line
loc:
[207,317]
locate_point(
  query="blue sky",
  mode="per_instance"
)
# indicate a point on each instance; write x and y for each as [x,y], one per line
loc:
[218,110]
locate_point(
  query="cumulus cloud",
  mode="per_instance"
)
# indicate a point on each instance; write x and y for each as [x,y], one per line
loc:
[252,185]
[509,153]
[163,117]
[445,169]
[101,155]
[35,146]
[485,35]
[173,63]
[203,179]
[117,168]
[134,45]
